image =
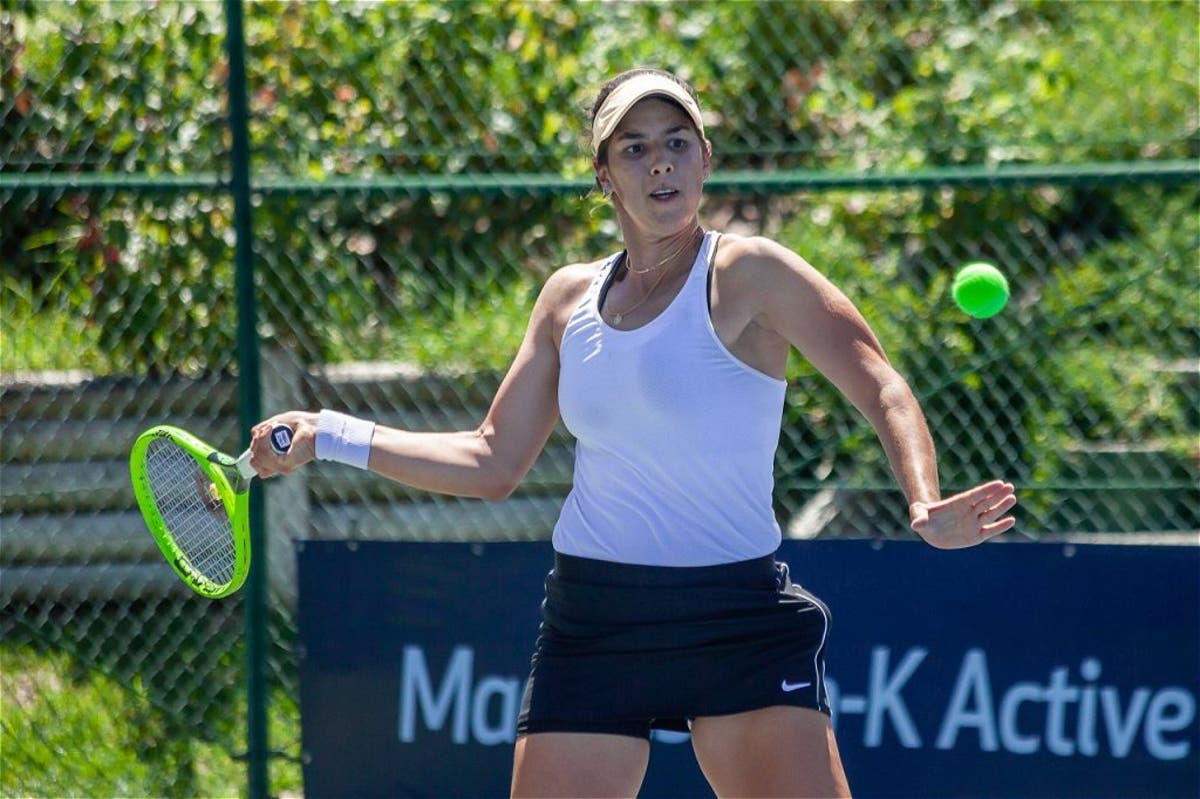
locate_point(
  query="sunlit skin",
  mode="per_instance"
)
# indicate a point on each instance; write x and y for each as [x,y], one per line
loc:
[655,148]
[766,301]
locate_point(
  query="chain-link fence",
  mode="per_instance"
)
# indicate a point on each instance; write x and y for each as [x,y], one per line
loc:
[419,168]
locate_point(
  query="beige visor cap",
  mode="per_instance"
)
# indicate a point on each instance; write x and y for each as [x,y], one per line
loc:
[625,96]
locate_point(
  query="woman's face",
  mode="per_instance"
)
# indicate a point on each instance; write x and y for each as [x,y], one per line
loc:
[656,165]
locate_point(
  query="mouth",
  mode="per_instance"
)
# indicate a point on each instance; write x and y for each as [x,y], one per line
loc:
[664,195]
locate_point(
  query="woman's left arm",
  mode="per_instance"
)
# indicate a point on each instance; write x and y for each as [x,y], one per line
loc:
[802,306]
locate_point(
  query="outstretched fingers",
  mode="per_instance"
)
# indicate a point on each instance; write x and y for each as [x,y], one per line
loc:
[992,507]
[988,514]
[988,494]
[996,528]
[968,518]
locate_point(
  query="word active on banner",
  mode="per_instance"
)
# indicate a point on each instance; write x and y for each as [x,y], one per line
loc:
[1066,713]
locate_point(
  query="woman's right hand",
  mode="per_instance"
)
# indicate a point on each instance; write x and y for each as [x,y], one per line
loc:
[264,459]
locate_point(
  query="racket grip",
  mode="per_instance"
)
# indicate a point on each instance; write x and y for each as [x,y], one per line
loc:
[281,439]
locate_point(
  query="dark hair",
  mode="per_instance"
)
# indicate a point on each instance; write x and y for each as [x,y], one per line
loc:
[607,89]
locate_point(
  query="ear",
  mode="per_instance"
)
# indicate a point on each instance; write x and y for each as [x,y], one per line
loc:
[707,158]
[602,178]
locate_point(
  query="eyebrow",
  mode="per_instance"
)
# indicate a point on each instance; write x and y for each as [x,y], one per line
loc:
[633,134]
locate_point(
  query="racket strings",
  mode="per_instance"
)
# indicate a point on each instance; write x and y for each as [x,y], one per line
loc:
[192,513]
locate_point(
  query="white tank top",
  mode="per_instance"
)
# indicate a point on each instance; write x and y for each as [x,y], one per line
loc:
[675,437]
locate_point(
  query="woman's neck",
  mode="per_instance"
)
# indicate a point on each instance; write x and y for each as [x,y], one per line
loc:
[647,256]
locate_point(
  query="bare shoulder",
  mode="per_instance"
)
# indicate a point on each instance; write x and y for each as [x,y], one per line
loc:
[759,271]
[781,291]
[566,285]
[572,278]
[757,257]
[563,291]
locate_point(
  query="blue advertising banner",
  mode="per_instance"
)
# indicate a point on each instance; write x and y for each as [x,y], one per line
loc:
[1008,670]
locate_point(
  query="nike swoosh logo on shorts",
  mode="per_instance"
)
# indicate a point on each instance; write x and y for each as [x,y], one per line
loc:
[788,687]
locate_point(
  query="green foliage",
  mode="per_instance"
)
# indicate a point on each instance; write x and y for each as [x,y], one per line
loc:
[960,82]
[449,277]
[33,335]
[71,731]
[407,88]
[51,706]
[116,699]
[1105,299]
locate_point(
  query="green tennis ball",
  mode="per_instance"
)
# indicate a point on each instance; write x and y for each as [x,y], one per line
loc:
[980,290]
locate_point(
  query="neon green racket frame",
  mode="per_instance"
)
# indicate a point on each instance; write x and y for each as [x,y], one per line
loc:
[229,477]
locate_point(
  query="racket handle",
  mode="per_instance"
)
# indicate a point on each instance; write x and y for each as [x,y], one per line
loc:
[281,439]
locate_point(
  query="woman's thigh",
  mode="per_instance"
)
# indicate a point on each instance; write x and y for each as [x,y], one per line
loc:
[558,764]
[774,751]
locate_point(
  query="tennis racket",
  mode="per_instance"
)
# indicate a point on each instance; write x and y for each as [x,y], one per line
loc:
[196,502]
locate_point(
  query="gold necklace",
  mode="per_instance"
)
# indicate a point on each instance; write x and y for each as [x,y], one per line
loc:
[619,315]
[690,240]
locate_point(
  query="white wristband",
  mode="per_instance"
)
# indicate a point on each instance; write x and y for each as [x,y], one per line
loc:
[344,438]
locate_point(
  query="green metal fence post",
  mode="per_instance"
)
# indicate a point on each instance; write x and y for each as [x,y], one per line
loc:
[248,402]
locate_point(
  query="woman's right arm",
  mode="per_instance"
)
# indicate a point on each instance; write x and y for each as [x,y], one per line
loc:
[487,462]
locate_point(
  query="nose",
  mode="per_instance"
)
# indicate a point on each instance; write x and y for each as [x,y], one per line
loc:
[661,167]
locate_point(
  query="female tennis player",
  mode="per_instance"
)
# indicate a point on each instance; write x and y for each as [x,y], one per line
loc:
[666,607]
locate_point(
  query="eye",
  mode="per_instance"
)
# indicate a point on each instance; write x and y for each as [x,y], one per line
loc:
[634,149]
[677,144]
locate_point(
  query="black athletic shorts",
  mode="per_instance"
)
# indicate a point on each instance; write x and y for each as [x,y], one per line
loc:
[624,649]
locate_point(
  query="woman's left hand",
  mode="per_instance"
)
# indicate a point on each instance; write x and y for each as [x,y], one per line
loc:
[965,519]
